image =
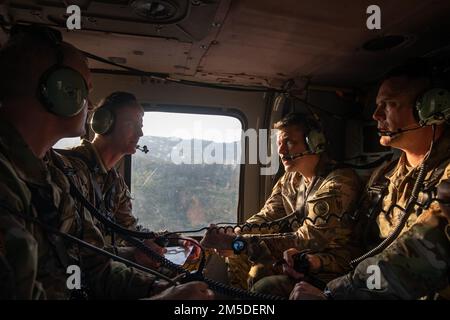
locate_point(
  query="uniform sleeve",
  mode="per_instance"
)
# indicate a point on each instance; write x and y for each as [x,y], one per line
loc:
[273,208]
[110,279]
[415,265]
[18,247]
[323,233]
[6,278]
[20,259]
[121,200]
[123,212]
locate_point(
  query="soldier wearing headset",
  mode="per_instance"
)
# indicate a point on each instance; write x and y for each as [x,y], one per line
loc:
[313,186]
[412,217]
[117,124]
[43,90]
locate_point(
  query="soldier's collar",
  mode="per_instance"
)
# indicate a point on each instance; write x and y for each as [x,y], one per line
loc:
[441,150]
[398,169]
[27,166]
[324,166]
[95,154]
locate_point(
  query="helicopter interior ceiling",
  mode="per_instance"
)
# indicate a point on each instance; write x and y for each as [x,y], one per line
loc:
[249,42]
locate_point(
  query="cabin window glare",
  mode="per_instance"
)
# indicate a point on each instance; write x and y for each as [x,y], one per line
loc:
[189,178]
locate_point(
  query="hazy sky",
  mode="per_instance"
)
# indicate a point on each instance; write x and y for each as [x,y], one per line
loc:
[183,125]
[188,126]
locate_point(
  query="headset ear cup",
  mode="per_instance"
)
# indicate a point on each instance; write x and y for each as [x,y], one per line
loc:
[102,121]
[316,141]
[416,109]
[433,107]
[63,91]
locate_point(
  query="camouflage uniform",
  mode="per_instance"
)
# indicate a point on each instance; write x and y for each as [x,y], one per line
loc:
[35,261]
[333,191]
[110,193]
[281,203]
[417,263]
[109,189]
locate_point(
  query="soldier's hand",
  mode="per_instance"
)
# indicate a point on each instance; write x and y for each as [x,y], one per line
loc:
[305,291]
[143,259]
[188,242]
[315,263]
[195,290]
[217,238]
[288,267]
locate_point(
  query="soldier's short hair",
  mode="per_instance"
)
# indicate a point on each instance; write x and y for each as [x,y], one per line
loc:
[26,47]
[118,100]
[422,73]
[17,59]
[301,120]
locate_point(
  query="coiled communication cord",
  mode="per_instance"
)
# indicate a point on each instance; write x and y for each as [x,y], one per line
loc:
[406,211]
[198,275]
[297,218]
[87,245]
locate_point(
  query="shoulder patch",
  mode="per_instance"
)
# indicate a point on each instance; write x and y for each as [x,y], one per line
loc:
[321,208]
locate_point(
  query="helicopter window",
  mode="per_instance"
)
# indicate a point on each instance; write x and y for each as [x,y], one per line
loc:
[67,143]
[190,175]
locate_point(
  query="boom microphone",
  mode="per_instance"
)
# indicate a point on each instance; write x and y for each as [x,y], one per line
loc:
[144,149]
[295,155]
[388,133]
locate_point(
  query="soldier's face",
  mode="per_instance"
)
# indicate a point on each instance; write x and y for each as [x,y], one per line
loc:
[128,128]
[395,102]
[290,141]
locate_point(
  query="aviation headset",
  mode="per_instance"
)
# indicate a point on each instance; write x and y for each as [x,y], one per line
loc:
[433,105]
[61,89]
[314,136]
[103,119]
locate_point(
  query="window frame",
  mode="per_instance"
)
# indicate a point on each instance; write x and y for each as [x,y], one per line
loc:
[200,110]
